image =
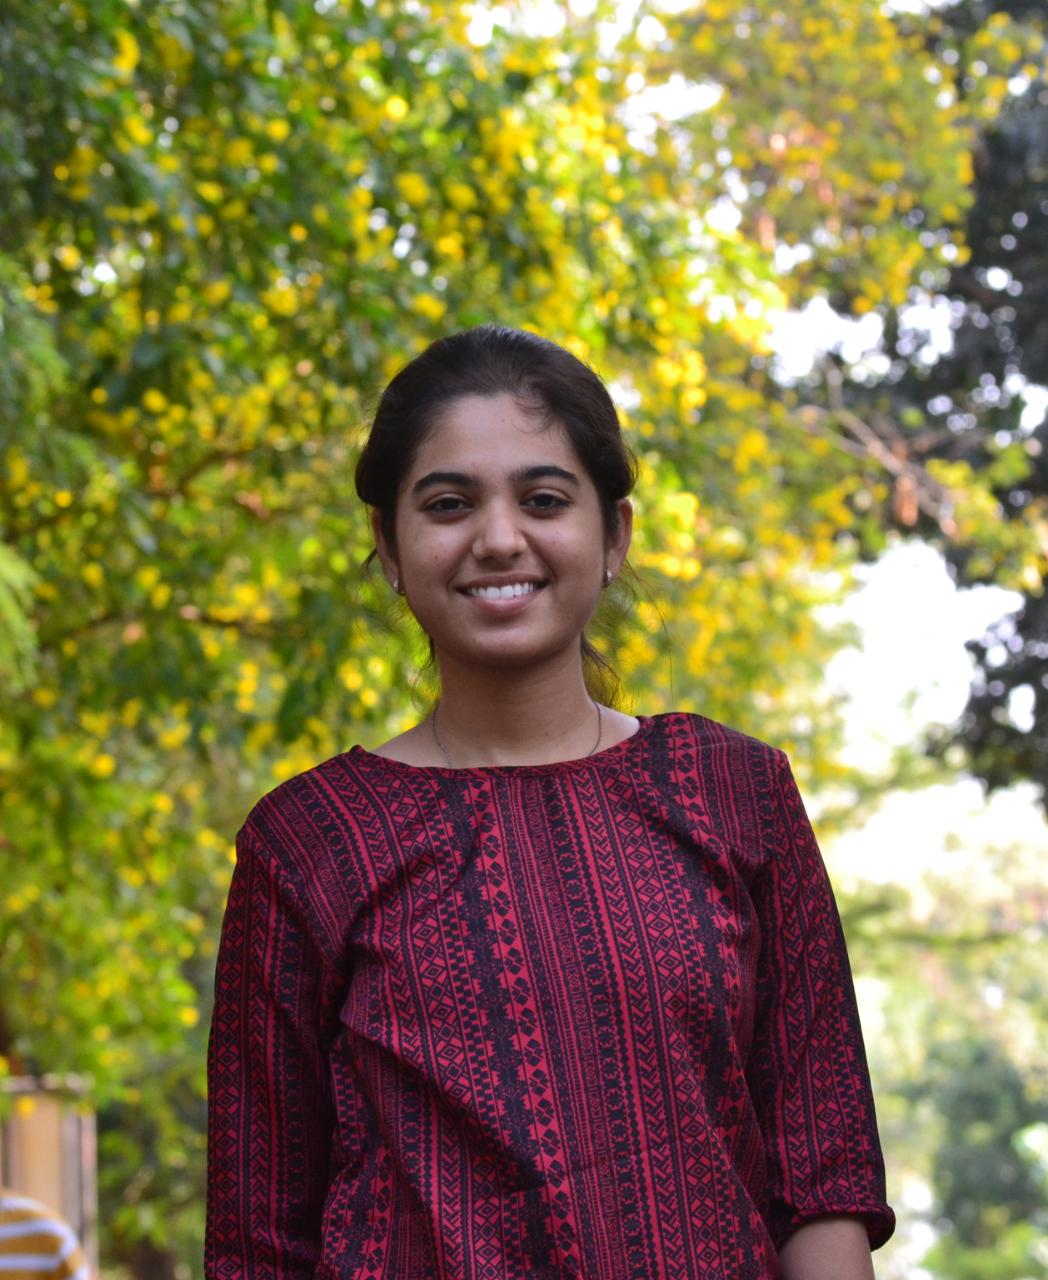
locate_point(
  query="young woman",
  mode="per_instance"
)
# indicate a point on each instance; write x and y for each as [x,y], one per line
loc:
[537,988]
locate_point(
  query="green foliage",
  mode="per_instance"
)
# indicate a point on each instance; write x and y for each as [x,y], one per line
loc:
[850,128]
[225,224]
[946,419]
[17,642]
[1016,1254]
[986,1180]
[951,970]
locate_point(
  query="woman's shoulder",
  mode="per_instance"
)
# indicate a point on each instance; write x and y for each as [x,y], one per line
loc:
[337,801]
[712,738]
[731,783]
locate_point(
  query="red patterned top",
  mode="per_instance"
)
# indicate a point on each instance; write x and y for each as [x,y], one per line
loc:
[587,1019]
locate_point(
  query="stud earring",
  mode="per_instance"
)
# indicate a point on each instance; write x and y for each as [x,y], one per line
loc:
[608,575]
[395,584]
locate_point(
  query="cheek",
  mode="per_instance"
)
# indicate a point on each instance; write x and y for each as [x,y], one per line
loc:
[428,557]
[585,547]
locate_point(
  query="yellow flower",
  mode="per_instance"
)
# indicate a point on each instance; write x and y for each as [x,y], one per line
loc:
[17,468]
[127,53]
[450,248]
[209,191]
[413,187]
[68,256]
[396,107]
[282,299]
[138,131]
[239,151]
[171,739]
[277,129]
[154,400]
[103,766]
[429,306]
[351,676]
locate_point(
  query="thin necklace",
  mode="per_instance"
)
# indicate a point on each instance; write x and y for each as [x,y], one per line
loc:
[447,755]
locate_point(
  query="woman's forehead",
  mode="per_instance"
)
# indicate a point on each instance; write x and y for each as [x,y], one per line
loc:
[493,433]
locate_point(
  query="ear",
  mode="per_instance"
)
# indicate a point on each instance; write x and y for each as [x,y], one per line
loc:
[386,556]
[619,541]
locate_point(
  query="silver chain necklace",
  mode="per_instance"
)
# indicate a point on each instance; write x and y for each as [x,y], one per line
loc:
[447,755]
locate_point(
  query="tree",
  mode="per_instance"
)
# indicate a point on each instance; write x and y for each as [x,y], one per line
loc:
[936,415]
[959,1017]
[1000,346]
[225,224]
[988,1182]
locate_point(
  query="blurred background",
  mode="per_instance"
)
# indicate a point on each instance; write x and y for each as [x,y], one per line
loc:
[806,243]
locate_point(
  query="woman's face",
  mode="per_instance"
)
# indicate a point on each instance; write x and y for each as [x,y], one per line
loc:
[501,547]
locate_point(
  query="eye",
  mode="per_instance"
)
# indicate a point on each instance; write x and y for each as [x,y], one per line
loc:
[446,504]
[546,501]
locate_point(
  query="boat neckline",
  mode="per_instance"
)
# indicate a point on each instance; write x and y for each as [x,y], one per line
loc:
[609,755]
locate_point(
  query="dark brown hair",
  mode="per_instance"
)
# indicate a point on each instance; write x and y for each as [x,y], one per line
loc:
[544,378]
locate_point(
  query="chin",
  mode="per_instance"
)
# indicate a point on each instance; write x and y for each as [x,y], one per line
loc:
[508,657]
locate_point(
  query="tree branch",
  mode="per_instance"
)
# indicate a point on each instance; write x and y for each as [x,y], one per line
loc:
[915,489]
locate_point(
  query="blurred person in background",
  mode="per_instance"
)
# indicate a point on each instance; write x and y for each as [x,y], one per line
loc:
[537,988]
[35,1243]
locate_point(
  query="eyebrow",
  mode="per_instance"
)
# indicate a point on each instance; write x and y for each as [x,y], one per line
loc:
[461,480]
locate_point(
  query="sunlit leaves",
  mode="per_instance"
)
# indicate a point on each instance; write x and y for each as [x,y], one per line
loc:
[852,125]
[226,224]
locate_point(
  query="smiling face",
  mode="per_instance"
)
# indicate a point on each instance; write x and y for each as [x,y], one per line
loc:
[501,547]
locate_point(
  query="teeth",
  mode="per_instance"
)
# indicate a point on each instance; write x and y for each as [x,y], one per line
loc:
[503,593]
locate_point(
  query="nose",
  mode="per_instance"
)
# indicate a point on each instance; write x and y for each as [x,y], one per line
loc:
[499,535]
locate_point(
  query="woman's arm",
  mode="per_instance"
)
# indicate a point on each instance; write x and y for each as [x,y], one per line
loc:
[827,1249]
[270,1116]
[807,1069]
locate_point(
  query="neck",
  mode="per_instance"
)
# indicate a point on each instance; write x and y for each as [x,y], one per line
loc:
[502,717]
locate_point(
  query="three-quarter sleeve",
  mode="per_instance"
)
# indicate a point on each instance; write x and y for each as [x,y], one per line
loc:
[271,1116]
[807,1069]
